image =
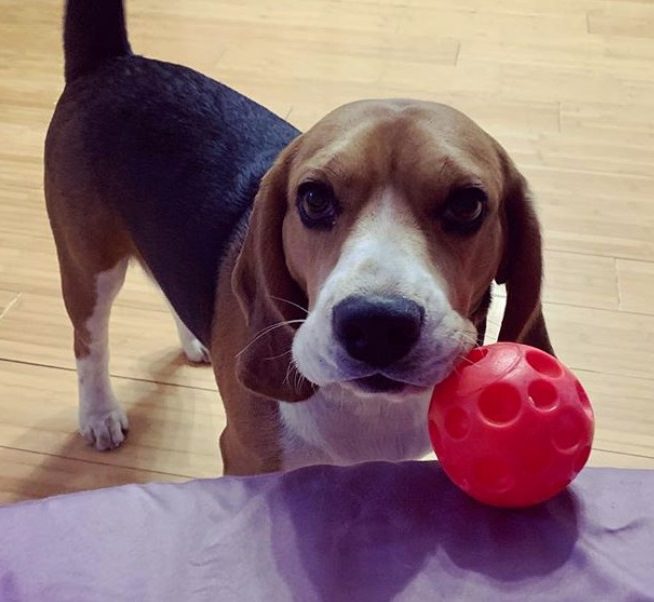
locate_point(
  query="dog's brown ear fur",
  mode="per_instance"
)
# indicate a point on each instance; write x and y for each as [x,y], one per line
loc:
[521,268]
[268,295]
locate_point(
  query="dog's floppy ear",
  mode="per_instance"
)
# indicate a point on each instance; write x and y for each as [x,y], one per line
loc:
[521,268]
[268,295]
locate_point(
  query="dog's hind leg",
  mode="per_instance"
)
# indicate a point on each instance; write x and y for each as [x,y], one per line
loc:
[194,350]
[93,256]
[89,294]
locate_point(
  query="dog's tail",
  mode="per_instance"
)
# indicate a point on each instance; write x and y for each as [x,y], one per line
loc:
[94,31]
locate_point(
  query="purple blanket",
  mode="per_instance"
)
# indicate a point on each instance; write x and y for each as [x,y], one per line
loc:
[372,532]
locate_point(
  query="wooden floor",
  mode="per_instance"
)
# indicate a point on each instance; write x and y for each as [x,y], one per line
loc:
[566,85]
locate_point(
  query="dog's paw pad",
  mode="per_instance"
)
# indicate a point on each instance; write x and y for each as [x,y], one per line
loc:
[105,431]
[196,352]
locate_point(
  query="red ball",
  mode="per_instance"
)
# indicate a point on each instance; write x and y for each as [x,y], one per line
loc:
[511,426]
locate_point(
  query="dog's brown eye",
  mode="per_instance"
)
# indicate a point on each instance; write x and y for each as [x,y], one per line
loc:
[317,205]
[465,210]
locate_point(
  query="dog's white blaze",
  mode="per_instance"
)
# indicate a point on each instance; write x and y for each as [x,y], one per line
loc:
[101,419]
[385,254]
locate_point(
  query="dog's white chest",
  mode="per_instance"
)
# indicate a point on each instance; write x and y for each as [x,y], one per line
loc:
[330,428]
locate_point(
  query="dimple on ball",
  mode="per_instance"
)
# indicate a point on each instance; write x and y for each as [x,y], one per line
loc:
[511,426]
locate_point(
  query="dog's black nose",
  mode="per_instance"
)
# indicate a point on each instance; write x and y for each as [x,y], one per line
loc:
[377,330]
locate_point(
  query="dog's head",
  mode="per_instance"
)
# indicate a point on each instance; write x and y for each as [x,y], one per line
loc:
[372,246]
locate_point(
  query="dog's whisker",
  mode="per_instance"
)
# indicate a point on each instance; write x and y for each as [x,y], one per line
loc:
[289,370]
[304,309]
[276,357]
[298,375]
[299,379]
[268,330]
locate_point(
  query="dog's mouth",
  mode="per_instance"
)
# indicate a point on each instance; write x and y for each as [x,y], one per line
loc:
[378,383]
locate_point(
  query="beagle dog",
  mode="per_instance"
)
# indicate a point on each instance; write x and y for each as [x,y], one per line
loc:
[332,277]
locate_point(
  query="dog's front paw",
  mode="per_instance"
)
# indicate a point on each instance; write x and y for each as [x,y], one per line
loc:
[196,352]
[104,430]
